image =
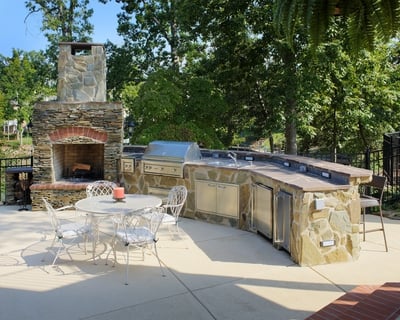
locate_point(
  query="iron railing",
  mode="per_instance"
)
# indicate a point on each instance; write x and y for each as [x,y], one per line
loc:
[385,162]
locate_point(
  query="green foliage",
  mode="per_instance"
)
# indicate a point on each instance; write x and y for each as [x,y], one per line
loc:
[157,99]
[122,68]
[62,21]
[220,72]
[153,30]
[353,101]
[167,106]
[366,22]
[23,80]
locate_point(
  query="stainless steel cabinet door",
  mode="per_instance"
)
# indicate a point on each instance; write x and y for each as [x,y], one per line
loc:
[263,209]
[283,220]
[228,200]
[206,196]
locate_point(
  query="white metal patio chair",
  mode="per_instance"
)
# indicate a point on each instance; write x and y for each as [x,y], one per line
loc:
[68,233]
[130,233]
[377,184]
[172,207]
[100,188]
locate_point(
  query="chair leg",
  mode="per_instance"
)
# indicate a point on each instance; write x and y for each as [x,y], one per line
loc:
[383,229]
[373,230]
[85,238]
[127,265]
[363,214]
[95,236]
[47,252]
[62,247]
[159,261]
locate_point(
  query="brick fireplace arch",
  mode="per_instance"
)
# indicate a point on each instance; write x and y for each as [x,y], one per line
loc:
[71,132]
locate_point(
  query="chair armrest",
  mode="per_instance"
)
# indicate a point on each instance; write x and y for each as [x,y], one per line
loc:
[166,206]
[76,214]
[367,197]
[65,207]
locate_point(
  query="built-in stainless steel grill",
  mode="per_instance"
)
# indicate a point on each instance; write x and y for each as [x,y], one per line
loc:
[168,157]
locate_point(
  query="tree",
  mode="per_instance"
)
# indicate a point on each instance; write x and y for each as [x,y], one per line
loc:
[172,106]
[247,58]
[23,80]
[265,82]
[122,68]
[354,101]
[3,105]
[153,31]
[62,21]
[366,22]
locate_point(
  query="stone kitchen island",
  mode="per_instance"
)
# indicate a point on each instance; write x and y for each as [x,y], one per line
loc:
[314,205]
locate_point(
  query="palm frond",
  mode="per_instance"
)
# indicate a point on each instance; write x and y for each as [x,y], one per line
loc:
[367,20]
[323,12]
[286,14]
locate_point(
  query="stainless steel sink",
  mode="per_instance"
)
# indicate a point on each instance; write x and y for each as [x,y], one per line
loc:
[228,163]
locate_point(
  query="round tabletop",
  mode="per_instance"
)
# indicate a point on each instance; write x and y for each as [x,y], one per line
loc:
[107,205]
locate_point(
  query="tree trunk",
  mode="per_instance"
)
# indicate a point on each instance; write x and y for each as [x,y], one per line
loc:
[291,131]
[290,84]
[271,143]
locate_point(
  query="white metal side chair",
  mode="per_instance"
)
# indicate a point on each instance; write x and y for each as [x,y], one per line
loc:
[173,208]
[173,205]
[68,233]
[130,233]
[377,184]
[100,188]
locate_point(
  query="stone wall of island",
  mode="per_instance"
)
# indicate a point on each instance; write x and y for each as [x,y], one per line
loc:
[322,235]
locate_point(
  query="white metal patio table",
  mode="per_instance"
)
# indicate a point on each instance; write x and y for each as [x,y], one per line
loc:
[106,206]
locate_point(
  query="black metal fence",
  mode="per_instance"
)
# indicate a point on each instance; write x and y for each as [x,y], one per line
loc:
[8,163]
[385,162]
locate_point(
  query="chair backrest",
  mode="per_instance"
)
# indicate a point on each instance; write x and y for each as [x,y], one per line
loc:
[378,183]
[176,199]
[131,222]
[157,215]
[55,222]
[100,188]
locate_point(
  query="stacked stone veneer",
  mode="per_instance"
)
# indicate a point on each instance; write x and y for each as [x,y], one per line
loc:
[338,220]
[81,72]
[80,126]
[72,123]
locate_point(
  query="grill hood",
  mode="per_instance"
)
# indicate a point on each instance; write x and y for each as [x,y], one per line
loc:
[172,151]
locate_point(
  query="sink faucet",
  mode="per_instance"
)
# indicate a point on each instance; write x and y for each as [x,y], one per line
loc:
[233,156]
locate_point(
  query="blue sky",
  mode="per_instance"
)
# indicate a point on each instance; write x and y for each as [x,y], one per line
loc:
[15,34]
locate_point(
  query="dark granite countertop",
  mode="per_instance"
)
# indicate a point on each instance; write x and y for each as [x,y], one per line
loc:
[308,174]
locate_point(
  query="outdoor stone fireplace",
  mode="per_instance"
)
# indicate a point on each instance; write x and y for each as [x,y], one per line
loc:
[78,137]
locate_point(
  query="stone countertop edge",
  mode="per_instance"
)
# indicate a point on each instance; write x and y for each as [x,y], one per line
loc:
[307,182]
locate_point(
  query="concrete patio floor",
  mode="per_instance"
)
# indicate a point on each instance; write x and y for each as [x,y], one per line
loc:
[212,272]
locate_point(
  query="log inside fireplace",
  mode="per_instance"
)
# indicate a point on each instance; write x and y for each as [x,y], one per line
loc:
[82,170]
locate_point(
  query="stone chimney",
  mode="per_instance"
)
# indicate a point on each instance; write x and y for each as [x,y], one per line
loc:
[81,72]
